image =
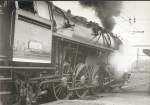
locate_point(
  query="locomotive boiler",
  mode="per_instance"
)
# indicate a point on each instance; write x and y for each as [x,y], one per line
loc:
[45,50]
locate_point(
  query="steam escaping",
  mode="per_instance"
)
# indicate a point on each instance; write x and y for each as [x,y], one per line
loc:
[105,10]
[122,60]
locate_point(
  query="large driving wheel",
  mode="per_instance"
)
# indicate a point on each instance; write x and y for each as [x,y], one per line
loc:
[93,78]
[81,80]
[61,88]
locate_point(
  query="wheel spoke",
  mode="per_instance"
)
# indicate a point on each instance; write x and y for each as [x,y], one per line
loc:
[60,91]
[92,73]
[57,86]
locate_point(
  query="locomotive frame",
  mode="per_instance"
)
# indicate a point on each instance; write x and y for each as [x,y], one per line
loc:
[74,62]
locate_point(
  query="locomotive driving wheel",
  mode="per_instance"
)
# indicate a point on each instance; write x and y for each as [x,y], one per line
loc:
[93,78]
[86,76]
[81,80]
[61,88]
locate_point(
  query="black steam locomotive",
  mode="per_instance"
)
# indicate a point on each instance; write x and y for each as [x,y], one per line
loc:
[44,50]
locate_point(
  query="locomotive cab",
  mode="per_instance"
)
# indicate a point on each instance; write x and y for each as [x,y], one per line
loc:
[26,31]
[32,33]
[25,47]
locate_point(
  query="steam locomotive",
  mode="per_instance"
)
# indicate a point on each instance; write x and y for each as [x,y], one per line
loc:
[44,50]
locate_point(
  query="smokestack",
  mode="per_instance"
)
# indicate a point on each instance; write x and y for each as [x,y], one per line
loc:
[105,10]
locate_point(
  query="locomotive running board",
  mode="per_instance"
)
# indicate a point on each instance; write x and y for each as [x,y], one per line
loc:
[5,93]
[45,77]
[28,68]
[78,88]
[5,79]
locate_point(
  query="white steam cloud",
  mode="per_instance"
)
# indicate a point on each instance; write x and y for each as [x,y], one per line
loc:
[122,60]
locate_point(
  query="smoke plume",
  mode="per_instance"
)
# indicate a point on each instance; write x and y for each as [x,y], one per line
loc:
[105,10]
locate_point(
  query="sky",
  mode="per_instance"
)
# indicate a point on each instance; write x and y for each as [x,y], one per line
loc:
[132,34]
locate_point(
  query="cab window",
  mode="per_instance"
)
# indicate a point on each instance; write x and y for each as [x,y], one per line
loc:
[43,9]
[26,5]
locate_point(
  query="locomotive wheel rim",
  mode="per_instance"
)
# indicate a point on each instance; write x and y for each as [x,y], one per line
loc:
[60,91]
[81,72]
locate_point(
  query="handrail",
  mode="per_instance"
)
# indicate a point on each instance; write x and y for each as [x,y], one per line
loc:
[23,67]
